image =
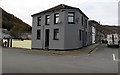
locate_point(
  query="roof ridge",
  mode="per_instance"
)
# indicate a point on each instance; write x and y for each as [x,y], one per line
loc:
[60,6]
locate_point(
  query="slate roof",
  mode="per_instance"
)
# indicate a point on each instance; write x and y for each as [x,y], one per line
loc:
[61,6]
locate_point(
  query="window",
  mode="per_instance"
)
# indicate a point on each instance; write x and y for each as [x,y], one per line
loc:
[82,20]
[86,23]
[56,34]
[80,35]
[47,20]
[39,21]
[38,34]
[86,36]
[71,17]
[56,18]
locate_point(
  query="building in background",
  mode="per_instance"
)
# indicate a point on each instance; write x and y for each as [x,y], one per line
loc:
[62,27]
[97,31]
[4,33]
[26,36]
[93,34]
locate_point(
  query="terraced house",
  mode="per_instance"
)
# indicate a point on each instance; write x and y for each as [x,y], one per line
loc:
[62,27]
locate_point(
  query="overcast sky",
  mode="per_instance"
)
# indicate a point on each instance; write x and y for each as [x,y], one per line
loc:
[105,11]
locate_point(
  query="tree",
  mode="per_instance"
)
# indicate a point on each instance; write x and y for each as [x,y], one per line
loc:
[16,31]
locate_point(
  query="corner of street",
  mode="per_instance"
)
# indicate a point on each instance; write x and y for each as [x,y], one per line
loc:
[100,60]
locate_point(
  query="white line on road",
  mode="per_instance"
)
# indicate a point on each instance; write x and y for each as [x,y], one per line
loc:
[114,57]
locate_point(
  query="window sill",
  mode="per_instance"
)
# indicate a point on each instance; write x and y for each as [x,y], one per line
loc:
[55,39]
[38,39]
[71,23]
[56,23]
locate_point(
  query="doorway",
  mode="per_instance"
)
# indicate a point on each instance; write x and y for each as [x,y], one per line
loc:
[46,38]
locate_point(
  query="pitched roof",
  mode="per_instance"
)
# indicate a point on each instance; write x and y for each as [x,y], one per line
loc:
[61,6]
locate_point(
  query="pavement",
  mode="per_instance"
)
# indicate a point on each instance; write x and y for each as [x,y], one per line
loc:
[83,51]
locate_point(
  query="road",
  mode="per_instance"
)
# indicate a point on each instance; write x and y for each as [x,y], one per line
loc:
[22,61]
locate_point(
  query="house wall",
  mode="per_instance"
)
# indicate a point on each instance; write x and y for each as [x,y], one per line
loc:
[36,43]
[72,31]
[68,33]
[53,44]
[99,36]
[89,34]
[88,29]
[57,44]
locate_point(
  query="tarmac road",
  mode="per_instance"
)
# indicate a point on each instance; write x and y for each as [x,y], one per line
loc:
[22,61]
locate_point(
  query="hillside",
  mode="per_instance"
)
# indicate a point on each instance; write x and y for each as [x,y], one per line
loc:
[106,29]
[111,29]
[9,21]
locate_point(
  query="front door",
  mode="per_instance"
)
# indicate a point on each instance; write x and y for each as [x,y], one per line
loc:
[46,38]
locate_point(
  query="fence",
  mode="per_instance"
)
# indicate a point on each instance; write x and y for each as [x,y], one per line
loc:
[21,43]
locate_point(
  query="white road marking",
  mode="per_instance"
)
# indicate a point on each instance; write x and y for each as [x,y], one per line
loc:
[114,57]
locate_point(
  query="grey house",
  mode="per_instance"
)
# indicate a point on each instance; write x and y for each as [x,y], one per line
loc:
[62,27]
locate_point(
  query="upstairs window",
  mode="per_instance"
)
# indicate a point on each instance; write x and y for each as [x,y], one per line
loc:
[82,20]
[86,23]
[38,34]
[47,21]
[39,21]
[56,34]
[56,18]
[71,17]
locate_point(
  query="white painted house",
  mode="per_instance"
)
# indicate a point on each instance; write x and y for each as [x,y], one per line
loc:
[62,27]
[93,34]
[97,32]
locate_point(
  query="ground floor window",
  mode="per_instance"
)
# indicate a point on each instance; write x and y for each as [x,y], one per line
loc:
[56,34]
[38,34]
[86,36]
[80,35]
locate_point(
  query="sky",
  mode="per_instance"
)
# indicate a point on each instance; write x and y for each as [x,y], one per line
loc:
[105,11]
